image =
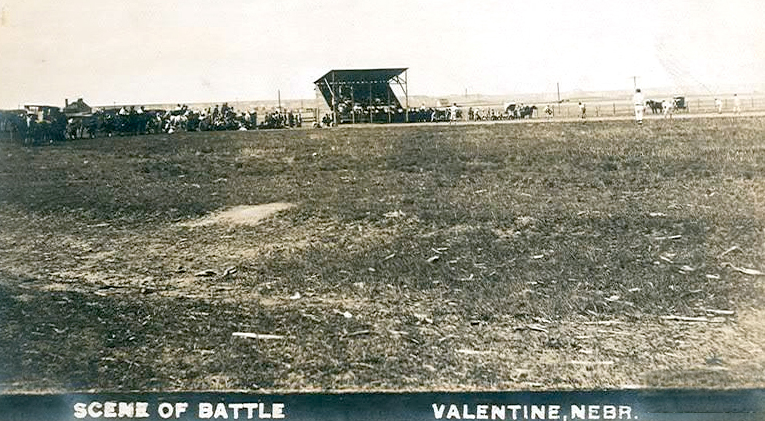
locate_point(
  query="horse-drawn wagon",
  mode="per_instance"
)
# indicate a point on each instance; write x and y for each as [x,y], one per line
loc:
[680,103]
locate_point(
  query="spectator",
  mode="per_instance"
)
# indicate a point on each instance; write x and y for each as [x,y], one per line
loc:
[453,113]
[639,103]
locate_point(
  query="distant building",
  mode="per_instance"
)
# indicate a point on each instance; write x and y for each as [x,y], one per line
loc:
[77,107]
[43,112]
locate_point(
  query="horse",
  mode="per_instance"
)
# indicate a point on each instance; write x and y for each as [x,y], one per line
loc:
[527,111]
[511,109]
[655,106]
[74,128]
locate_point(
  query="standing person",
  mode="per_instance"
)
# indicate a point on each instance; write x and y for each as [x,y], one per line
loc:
[718,105]
[582,110]
[453,113]
[639,103]
[736,104]
[668,107]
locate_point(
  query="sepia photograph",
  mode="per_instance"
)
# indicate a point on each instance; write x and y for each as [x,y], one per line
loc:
[338,196]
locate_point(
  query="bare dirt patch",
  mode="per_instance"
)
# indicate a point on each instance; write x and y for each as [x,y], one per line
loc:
[240,215]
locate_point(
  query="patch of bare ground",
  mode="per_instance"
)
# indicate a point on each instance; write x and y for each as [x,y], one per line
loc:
[209,258]
[240,215]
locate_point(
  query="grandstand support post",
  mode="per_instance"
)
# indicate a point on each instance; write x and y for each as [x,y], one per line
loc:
[406,93]
[353,107]
[334,101]
[388,106]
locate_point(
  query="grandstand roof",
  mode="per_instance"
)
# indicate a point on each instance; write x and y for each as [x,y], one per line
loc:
[361,75]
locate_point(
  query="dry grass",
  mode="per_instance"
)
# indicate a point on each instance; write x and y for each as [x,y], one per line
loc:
[479,257]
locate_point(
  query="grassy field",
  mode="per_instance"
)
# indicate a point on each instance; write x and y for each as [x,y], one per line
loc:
[510,256]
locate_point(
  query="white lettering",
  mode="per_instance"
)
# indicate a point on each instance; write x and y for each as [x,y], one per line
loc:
[142,410]
[165,410]
[578,412]
[609,412]
[537,412]
[251,407]
[498,412]
[625,412]
[438,411]
[277,410]
[110,409]
[466,415]
[205,410]
[515,409]
[593,411]
[180,408]
[236,407]
[262,411]
[481,412]
[454,412]
[94,410]
[126,409]
[553,412]
[80,410]
[220,411]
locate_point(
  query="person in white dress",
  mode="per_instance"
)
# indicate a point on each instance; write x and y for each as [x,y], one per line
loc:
[639,103]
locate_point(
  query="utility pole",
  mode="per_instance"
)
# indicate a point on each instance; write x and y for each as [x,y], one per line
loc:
[558,85]
[634,82]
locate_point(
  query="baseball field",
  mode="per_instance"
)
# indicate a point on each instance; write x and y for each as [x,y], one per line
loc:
[515,256]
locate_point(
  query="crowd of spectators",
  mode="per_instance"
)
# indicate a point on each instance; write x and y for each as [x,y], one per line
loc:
[46,125]
[358,113]
[50,124]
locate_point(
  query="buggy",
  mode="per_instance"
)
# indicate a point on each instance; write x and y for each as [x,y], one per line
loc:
[679,103]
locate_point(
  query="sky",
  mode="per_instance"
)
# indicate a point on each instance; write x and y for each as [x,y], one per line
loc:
[167,51]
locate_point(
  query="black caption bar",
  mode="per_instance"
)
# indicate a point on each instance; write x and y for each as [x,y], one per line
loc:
[644,405]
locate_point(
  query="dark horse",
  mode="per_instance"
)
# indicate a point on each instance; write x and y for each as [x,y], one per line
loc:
[527,111]
[655,106]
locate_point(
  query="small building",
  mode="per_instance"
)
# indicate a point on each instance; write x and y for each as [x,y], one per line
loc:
[78,107]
